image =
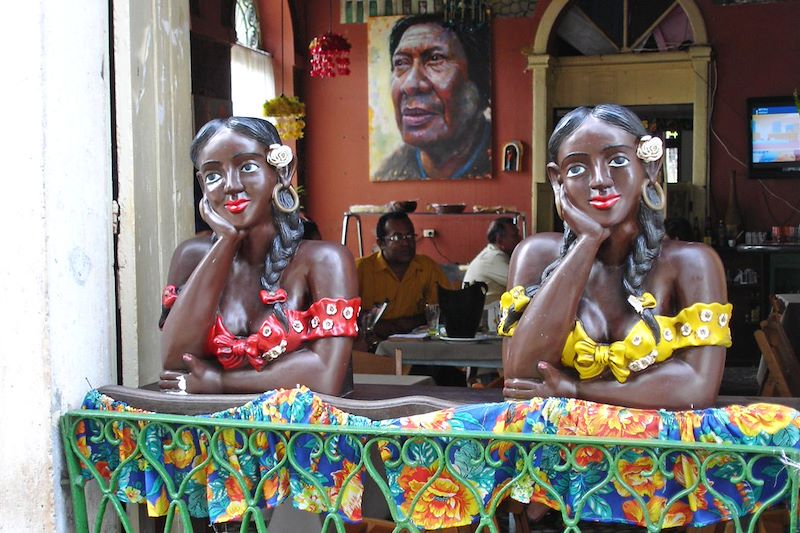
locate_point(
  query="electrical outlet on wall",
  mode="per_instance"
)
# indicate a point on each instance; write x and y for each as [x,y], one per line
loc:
[428,233]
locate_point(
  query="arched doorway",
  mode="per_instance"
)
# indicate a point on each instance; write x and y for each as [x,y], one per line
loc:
[612,63]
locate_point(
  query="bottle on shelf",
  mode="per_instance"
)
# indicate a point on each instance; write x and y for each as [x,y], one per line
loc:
[722,236]
[754,314]
[733,217]
[708,237]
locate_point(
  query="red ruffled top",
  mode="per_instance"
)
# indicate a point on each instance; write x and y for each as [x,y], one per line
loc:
[328,317]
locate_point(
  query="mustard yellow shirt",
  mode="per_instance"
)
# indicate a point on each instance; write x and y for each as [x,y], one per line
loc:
[407,297]
[701,324]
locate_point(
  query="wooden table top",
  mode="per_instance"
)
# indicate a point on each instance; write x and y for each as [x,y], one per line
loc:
[376,401]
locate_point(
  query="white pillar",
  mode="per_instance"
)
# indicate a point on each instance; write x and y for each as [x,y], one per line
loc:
[56,277]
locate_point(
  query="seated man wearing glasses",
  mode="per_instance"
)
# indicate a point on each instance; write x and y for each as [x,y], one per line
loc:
[397,274]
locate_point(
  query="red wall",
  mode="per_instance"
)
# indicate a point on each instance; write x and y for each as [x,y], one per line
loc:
[757,53]
[337,166]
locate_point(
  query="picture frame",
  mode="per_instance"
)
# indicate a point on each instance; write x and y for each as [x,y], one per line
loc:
[405,147]
[512,156]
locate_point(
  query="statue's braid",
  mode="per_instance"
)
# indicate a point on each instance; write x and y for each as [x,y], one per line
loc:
[284,246]
[566,243]
[646,248]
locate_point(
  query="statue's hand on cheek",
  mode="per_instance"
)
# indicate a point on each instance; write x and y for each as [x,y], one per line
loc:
[581,223]
[217,223]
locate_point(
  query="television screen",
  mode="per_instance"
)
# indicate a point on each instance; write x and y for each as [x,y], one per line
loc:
[774,138]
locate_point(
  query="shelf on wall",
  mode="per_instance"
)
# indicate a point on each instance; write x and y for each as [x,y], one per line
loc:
[518,218]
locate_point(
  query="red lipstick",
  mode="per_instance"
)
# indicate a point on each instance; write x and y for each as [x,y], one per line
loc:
[237,206]
[604,202]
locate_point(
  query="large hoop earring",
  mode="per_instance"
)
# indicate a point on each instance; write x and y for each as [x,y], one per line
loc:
[276,200]
[558,208]
[662,199]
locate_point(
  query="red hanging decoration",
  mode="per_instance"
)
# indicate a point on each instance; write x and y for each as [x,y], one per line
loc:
[329,56]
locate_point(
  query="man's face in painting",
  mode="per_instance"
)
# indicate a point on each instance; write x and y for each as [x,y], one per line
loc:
[434,99]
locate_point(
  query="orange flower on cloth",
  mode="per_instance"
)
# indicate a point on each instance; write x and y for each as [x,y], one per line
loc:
[446,503]
[587,455]
[184,451]
[678,515]
[641,475]
[127,444]
[511,421]
[688,422]
[80,439]
[103,469]
[350,490]
[602,420]
[236,503]
[277,486]
[762,417]
[437,420]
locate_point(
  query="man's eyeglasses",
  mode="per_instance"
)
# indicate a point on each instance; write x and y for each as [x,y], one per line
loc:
[397,237]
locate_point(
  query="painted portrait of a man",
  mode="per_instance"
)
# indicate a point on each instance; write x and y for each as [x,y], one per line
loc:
[430,96]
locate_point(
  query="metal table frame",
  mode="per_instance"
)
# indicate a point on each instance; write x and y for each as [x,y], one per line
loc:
[518,218]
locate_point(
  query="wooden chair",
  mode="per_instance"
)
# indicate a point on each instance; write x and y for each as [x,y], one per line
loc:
[368,366]
[783,380]
[783,367]
[369,363]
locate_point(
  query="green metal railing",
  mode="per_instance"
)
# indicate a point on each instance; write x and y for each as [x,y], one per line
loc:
[367,440]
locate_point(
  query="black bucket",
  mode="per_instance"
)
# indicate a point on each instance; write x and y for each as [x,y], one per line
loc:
[462,309]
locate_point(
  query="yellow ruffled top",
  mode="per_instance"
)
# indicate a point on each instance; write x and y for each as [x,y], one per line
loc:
[700,324]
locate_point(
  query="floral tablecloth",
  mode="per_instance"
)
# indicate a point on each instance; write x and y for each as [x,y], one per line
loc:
[216,490]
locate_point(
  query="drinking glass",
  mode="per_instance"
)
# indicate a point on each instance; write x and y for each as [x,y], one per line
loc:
[432,316]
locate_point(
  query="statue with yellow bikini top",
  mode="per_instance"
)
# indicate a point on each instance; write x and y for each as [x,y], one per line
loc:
[610,311]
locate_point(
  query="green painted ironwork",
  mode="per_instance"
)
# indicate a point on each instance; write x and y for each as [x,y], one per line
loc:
[368,439]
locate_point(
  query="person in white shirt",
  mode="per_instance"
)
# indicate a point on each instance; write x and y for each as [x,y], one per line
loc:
[491,264]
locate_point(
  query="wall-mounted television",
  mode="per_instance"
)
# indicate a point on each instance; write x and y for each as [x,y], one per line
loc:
[774,138]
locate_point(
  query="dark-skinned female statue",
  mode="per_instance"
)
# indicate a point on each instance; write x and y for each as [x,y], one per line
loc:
[252,307]
[610,312]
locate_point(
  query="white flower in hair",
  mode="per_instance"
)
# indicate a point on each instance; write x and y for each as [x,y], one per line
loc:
[650,149]
[279,155]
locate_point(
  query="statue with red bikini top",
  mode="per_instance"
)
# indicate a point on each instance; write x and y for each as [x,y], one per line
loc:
[253,307]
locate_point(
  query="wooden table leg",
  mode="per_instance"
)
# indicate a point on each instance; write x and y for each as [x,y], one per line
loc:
[398,362]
